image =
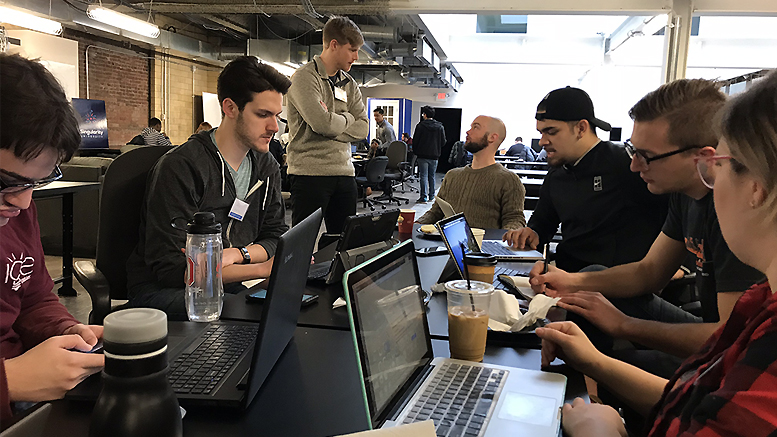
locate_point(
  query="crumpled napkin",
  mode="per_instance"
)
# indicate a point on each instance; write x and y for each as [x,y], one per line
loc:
[505,315]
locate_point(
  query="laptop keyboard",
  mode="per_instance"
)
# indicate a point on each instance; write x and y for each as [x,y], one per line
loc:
[459,399]
[496,249]
[509,272]
[200,371]
[319,270]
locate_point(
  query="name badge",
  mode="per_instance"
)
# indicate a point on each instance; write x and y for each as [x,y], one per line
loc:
[238,210]
[341,95]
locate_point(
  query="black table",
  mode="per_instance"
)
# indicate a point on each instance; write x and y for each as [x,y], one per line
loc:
[321,314]
[314,390]
[66,190]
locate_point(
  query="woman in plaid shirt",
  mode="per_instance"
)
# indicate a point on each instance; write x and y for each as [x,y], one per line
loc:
[729,387]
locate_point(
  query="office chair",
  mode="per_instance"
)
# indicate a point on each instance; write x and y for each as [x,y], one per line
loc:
[117,234]
[374,173]
[396,170]
[410,175]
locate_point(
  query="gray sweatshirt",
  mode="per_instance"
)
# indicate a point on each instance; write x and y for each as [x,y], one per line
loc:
[191,178]
[322,127]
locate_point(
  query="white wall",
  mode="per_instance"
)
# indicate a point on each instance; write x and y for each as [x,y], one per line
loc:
[512,91]
[58,54]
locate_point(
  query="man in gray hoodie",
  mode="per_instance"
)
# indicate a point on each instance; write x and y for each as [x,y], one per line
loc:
[326,114]
[226,171]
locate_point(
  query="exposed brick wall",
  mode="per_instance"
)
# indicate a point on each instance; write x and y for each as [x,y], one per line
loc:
[185,83]
[120,77]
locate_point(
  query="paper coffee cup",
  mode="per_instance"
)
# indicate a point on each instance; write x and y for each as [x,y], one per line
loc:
[479,234]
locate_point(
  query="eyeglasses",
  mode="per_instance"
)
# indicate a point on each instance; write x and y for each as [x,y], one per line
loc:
[644,159]
[7,187]
[708,169]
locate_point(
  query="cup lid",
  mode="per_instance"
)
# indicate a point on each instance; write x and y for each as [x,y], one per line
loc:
[479,259]
[476,287]
[135,325]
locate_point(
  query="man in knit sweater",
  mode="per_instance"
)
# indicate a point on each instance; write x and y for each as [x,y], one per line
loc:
[326,114]
[489,195]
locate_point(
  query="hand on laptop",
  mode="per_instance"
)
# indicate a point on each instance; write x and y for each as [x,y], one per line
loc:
[566,341]
[580,419]
[554,283]
[521,239]
[50,369]
[597,309]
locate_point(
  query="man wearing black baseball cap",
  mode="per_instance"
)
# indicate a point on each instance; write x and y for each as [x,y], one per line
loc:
[607,215]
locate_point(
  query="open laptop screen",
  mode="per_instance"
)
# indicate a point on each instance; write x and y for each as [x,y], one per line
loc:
[459,238]
[390,326]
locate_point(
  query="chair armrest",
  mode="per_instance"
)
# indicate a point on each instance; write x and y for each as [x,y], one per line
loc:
[97,286]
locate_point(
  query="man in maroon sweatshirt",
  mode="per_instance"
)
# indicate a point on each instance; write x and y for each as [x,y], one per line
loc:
[39,339]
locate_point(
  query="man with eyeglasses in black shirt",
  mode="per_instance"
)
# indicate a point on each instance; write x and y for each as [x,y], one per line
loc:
[673,128]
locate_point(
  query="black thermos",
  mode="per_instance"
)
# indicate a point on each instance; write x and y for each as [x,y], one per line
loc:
[136,399]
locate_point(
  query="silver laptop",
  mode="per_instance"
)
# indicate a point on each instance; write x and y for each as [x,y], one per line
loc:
[402,382]
[455,229]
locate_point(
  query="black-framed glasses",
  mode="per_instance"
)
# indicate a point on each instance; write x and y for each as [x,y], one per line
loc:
[19,186]
[646,160]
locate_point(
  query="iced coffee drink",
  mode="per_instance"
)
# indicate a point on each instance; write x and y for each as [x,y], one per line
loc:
[468,305]
[467,332]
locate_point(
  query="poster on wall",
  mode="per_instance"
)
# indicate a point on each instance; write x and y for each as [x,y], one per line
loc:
[92,123]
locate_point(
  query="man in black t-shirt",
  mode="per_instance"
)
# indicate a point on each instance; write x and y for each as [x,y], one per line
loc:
[672,126]
[589,190]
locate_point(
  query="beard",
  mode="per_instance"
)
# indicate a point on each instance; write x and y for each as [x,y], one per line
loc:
[241,132]
[473,147]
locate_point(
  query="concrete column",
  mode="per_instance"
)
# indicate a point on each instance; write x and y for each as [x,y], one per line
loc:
[678,37]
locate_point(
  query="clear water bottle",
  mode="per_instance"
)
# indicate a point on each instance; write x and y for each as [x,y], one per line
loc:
[204,290]
[136,398]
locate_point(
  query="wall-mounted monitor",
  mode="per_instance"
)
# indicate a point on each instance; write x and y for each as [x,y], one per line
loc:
[92,123]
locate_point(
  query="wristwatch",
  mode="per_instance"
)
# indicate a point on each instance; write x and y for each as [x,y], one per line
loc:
[246,255]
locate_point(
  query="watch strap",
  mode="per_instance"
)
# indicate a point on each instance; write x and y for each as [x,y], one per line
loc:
[246,255]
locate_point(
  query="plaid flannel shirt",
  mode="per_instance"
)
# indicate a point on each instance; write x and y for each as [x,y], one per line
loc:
[729,388]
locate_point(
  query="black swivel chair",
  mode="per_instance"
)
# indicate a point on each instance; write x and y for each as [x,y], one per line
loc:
[117,235]
[374,173]
[396,171]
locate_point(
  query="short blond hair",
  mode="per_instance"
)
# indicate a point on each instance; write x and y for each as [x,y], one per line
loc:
[343,30]
[688,105]
[749,124]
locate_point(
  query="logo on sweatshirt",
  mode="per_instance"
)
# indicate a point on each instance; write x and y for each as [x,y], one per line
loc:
[18,270]
[597,183]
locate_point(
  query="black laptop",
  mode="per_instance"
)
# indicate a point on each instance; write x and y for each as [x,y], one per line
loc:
[224,363]
[364,236]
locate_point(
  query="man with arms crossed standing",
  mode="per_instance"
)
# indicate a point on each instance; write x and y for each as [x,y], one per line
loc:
[326,113]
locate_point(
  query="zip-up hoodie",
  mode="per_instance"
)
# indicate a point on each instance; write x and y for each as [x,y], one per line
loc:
[193,177]
[428,139]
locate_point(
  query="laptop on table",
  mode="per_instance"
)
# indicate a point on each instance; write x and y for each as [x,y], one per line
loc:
[364,236]
[402,382]
[224,363]
[459,240]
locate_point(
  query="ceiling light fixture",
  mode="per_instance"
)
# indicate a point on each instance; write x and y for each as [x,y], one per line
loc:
[285,70]
[29,21]
[122,21]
